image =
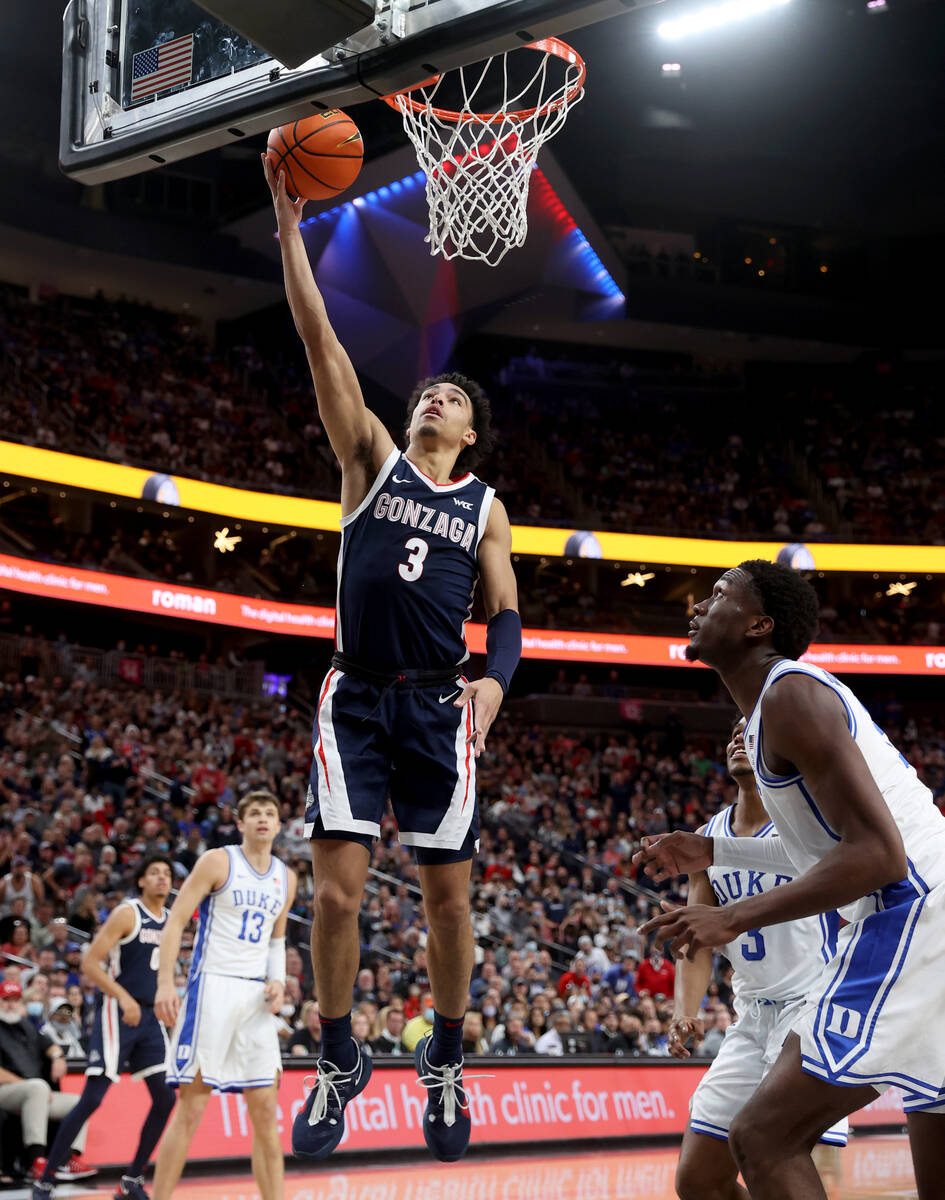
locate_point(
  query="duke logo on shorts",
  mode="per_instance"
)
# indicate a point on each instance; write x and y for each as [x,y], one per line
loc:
[872,1016]
[386,722]
[225,1030]
[133,962]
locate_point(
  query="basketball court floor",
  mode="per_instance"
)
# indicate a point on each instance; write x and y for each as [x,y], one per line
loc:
[877,1167]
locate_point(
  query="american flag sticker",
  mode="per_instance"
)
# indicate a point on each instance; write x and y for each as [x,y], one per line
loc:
[162,67]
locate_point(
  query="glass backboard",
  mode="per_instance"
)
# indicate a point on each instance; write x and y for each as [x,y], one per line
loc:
[147,82]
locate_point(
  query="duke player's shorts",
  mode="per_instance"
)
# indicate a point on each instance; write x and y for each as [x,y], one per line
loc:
[402,736]
[225,1032]
[115,1047]
[748,1051]
[875,1017]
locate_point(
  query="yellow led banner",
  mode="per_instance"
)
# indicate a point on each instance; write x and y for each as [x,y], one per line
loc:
[237,504]
[96,475]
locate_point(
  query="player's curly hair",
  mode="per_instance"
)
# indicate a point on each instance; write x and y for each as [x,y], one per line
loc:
[470,456]
[789,600]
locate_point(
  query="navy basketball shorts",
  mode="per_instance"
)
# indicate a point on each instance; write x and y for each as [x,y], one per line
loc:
[372,741]
[115,1047]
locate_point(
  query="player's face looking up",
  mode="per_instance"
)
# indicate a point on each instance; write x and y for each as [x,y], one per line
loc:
[155,883]
[260,821]
[444,413]
[724,622]
[736,760]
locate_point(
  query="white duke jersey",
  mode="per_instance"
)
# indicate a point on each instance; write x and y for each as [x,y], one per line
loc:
[235,922]
[805,831]
[779,962]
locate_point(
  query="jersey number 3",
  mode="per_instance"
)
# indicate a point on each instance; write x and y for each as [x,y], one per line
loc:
[413,568]
[757,950]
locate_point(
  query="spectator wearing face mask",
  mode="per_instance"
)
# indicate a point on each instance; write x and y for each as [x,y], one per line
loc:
[35,1004]
[419,1026]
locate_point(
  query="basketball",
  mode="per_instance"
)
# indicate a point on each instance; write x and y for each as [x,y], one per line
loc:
[321,155]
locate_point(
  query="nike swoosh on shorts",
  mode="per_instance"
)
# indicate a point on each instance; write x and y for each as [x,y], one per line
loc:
[443,699]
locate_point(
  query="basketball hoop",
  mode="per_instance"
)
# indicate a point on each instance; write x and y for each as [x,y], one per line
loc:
[478,164]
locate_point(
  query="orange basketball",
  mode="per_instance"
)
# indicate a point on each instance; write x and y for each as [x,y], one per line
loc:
[321,155]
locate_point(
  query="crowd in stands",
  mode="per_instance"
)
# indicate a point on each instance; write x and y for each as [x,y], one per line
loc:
[603,443]
[92,779]
[883,464]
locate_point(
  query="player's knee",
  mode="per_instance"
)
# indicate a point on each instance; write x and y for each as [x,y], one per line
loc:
[335,904]
[163,1099]
[692,1183]
[751,1144]
[265,1118]
[450,914]
[190,1109]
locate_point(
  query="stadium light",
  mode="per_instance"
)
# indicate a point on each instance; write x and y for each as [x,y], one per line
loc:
[714,16]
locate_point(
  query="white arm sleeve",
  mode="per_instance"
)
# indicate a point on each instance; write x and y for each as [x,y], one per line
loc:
[275,962]
[753,854]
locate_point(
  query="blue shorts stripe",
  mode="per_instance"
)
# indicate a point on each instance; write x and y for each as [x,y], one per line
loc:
[714,1131]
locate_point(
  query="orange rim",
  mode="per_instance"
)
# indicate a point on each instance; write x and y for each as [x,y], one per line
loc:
[550,45]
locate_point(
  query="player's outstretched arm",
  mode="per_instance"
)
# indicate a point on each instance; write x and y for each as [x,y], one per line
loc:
[692,978]
[504,632]
[275,967]
[355,433]
[119,925]
[208,876]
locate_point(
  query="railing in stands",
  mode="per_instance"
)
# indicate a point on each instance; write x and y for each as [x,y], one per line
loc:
[113,668]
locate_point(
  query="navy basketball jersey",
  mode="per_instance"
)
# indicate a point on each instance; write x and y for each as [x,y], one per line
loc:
[134,960]
[407,569]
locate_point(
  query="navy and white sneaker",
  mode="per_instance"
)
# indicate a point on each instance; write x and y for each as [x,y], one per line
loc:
[42,1191]
[320,1125]
[446,1121]
[131,1187]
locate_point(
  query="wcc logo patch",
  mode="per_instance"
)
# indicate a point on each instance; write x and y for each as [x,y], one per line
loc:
[463,503]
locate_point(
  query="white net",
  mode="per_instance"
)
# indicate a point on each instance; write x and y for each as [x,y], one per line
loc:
[478,164]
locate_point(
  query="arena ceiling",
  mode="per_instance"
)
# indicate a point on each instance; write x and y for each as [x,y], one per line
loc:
[834,125]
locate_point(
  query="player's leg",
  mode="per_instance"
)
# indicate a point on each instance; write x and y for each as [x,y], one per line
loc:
[706,1169]
[828,1160]
[340,871]
[773,1135]
[344,1068]
[268,1163]
[191,1105]
[927,1142]
[163,1099]
[346,799]
[433,795]
[72,1118]
[450,953]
